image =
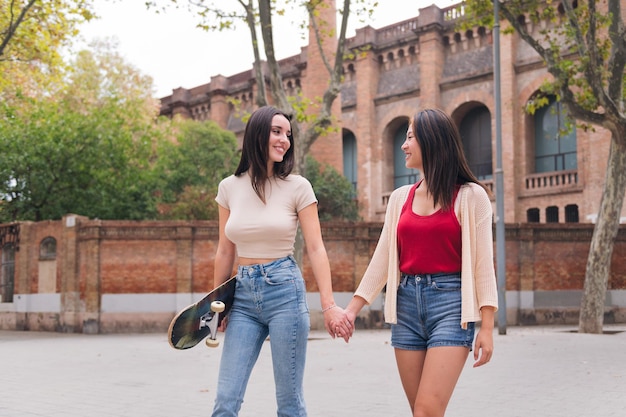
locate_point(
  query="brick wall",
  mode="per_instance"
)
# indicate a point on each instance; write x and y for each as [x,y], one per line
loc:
[121,276]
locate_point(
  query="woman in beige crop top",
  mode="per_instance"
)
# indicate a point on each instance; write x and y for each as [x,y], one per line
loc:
[260,207]
[433,303]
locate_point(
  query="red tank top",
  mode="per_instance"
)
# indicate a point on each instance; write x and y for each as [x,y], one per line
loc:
[428,244]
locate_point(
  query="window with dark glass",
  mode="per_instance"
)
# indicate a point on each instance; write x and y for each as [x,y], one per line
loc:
[555,139]
[571,213]
[475,132]
[552,214]
[532,215]
[401,174]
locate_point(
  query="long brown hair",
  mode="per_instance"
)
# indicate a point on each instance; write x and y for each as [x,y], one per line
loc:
[255,150]
[443,160]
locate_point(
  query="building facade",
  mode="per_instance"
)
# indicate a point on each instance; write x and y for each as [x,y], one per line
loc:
[549,176]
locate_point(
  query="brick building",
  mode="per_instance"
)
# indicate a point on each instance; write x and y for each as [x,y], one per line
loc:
[425,62]
[82,275]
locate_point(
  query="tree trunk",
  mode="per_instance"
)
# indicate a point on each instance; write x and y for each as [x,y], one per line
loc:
[299,167]
[603,240]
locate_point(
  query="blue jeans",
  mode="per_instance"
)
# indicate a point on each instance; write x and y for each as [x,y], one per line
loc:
[270,300]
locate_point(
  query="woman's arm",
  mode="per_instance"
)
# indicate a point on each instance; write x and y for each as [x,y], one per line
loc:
[483,268]
[354,308]
[226,252]
[483,346]
[335,319]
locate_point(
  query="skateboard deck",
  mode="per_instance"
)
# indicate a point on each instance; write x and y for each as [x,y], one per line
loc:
[201,319]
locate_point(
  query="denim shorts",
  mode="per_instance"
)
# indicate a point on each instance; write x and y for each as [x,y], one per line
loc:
[429,313]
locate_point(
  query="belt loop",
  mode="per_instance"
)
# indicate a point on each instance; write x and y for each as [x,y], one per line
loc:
[429,279]
[405,278]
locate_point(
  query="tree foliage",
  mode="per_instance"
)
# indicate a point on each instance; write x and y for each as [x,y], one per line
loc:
[85,148]
[33,34]
[335,194]
[55,160]
[583,45]
[191,168]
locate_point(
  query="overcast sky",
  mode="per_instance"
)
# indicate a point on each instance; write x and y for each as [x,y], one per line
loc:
[175,53]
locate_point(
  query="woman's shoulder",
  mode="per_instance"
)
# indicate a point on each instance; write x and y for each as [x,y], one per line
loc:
[297,181]
[400,192]
[297,178]
[231,179]
[475,195]
[235,182]
[474,190]
[398,197]
[293,183]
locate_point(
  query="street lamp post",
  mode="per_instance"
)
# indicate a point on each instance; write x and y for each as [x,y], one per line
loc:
[500,239]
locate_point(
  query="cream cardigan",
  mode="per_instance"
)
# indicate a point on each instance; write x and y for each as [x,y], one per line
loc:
[478,278]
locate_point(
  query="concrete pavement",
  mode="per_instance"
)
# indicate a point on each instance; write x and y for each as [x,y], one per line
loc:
[535,372]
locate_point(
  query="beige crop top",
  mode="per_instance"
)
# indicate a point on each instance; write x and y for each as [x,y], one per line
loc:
[264,230]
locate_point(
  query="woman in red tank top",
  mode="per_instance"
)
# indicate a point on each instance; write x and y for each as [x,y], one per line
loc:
[434,257]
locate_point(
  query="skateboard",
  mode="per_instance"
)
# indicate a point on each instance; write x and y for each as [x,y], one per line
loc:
[202,318]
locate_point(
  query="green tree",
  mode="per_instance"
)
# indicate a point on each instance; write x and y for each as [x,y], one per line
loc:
[33,34]
[56,160]
[583,47]
[191,168]
[85,147]
[335,194]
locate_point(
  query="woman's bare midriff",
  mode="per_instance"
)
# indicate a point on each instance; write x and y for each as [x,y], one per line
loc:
[253,261]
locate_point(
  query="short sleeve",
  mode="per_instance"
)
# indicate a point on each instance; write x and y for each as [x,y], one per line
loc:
[305,196]
[222,193]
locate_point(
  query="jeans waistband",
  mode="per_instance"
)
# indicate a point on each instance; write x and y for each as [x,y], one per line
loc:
[429,278]
[267,267]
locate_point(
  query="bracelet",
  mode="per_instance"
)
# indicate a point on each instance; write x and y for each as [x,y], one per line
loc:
[330,307]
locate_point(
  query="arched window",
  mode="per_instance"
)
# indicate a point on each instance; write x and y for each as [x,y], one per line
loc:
[401,174]
[552,214]
[532,215]
[48,248]
[571,213]
[555,140]
[475,132]
[350,158]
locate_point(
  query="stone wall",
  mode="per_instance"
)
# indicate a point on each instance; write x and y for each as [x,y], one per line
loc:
[122,276]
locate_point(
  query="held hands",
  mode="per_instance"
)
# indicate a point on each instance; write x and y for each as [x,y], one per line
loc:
[337,322]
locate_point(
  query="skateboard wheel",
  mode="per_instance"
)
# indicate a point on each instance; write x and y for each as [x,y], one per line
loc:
[212,342]
[217,306]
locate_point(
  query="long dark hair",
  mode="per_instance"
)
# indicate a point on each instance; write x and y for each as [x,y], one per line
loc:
[443,160]
[255,150]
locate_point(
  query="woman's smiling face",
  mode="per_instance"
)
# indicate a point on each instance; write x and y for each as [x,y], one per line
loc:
[412,151]
[279,142]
